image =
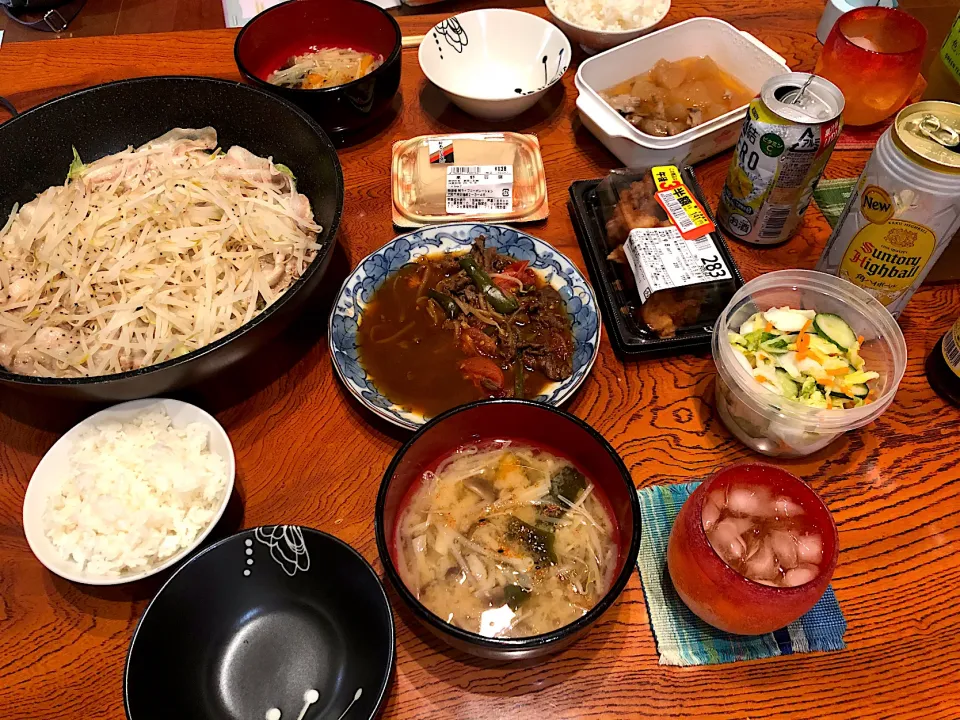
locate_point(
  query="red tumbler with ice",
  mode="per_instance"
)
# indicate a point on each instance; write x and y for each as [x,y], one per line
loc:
[752,549]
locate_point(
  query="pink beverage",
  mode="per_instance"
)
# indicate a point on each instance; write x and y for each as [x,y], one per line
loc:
[752,549]
[768,538]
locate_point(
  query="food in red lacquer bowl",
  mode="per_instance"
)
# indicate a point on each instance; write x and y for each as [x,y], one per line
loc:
[752,549]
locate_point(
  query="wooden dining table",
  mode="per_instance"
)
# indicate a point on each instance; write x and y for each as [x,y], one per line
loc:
[307,453]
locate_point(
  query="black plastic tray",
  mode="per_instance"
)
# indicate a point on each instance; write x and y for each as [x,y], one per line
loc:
[627,336]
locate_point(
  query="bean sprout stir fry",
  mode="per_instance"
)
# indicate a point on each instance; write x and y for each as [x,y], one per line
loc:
[148,254]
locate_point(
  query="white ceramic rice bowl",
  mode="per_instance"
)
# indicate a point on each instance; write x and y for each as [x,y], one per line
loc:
[596,40]
[54,464]
[494,64]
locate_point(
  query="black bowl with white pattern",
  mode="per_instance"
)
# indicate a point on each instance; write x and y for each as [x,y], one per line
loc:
[278,622]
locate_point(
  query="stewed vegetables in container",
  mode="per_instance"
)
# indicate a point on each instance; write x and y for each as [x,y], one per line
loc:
[803,357]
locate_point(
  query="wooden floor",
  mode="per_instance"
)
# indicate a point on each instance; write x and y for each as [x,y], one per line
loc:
[116,17]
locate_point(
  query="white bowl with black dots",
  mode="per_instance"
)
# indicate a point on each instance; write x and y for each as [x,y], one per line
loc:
[494,64]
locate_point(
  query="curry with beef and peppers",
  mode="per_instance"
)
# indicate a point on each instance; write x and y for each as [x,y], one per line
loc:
[449,329]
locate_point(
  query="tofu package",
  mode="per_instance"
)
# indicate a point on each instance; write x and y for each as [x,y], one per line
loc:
[484,177]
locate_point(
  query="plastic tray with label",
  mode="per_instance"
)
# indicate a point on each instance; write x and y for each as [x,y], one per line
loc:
[628,334]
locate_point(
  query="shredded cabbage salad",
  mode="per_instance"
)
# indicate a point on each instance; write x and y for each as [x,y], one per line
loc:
[808,357]
[148,254]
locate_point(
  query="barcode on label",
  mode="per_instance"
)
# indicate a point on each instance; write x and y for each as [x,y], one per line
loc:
[464,170]
[951,353]
[774,221]
[680,217]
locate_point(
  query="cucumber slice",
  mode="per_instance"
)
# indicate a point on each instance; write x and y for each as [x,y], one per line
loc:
[818,342]
[788,386]
[776,346]
[859,390]
[835,329]
[860,377]
[756,337]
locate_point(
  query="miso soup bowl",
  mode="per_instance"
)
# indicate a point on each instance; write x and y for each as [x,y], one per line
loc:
[297,26]
[524,422]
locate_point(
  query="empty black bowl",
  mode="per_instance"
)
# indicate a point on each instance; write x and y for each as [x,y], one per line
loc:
[255,622]
[295,27]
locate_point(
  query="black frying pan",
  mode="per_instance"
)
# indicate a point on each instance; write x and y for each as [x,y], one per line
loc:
[36,150]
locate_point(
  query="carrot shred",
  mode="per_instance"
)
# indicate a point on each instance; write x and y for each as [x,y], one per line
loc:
[803,343]
[806,326]
[860,339]
[768,327]
[838,371]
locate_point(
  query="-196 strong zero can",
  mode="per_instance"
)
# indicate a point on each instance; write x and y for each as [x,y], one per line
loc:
[786,140]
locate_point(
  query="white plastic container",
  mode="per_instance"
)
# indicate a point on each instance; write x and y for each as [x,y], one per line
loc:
[736,52]
[772,424]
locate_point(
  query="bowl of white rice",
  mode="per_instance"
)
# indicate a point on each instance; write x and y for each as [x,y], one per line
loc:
[129,491]
[602,24]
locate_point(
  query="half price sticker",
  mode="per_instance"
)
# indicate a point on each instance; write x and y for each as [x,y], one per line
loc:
[681,206]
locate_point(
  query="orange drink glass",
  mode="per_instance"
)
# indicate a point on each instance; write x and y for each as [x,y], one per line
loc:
[873,54]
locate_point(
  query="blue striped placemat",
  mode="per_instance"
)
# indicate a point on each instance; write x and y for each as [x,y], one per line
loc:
[683,638]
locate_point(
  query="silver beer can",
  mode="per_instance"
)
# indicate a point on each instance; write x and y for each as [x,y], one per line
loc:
[905,207]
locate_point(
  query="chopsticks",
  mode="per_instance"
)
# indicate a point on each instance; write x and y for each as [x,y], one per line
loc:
[411,41]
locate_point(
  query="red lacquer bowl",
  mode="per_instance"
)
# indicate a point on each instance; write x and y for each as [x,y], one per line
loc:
[294,27]
[525,422]
[720,595]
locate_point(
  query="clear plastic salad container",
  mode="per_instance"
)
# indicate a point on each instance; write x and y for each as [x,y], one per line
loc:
[773,424]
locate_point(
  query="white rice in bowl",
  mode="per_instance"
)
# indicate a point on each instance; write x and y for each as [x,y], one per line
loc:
[610,15]
[135,494]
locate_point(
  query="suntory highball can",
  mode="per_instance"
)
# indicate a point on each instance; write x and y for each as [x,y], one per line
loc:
[905,207]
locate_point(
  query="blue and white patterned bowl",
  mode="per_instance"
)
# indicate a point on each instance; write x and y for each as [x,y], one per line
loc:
[359,287]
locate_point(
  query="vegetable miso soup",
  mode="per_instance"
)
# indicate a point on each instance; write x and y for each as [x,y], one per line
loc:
[325,68]
[507,541]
